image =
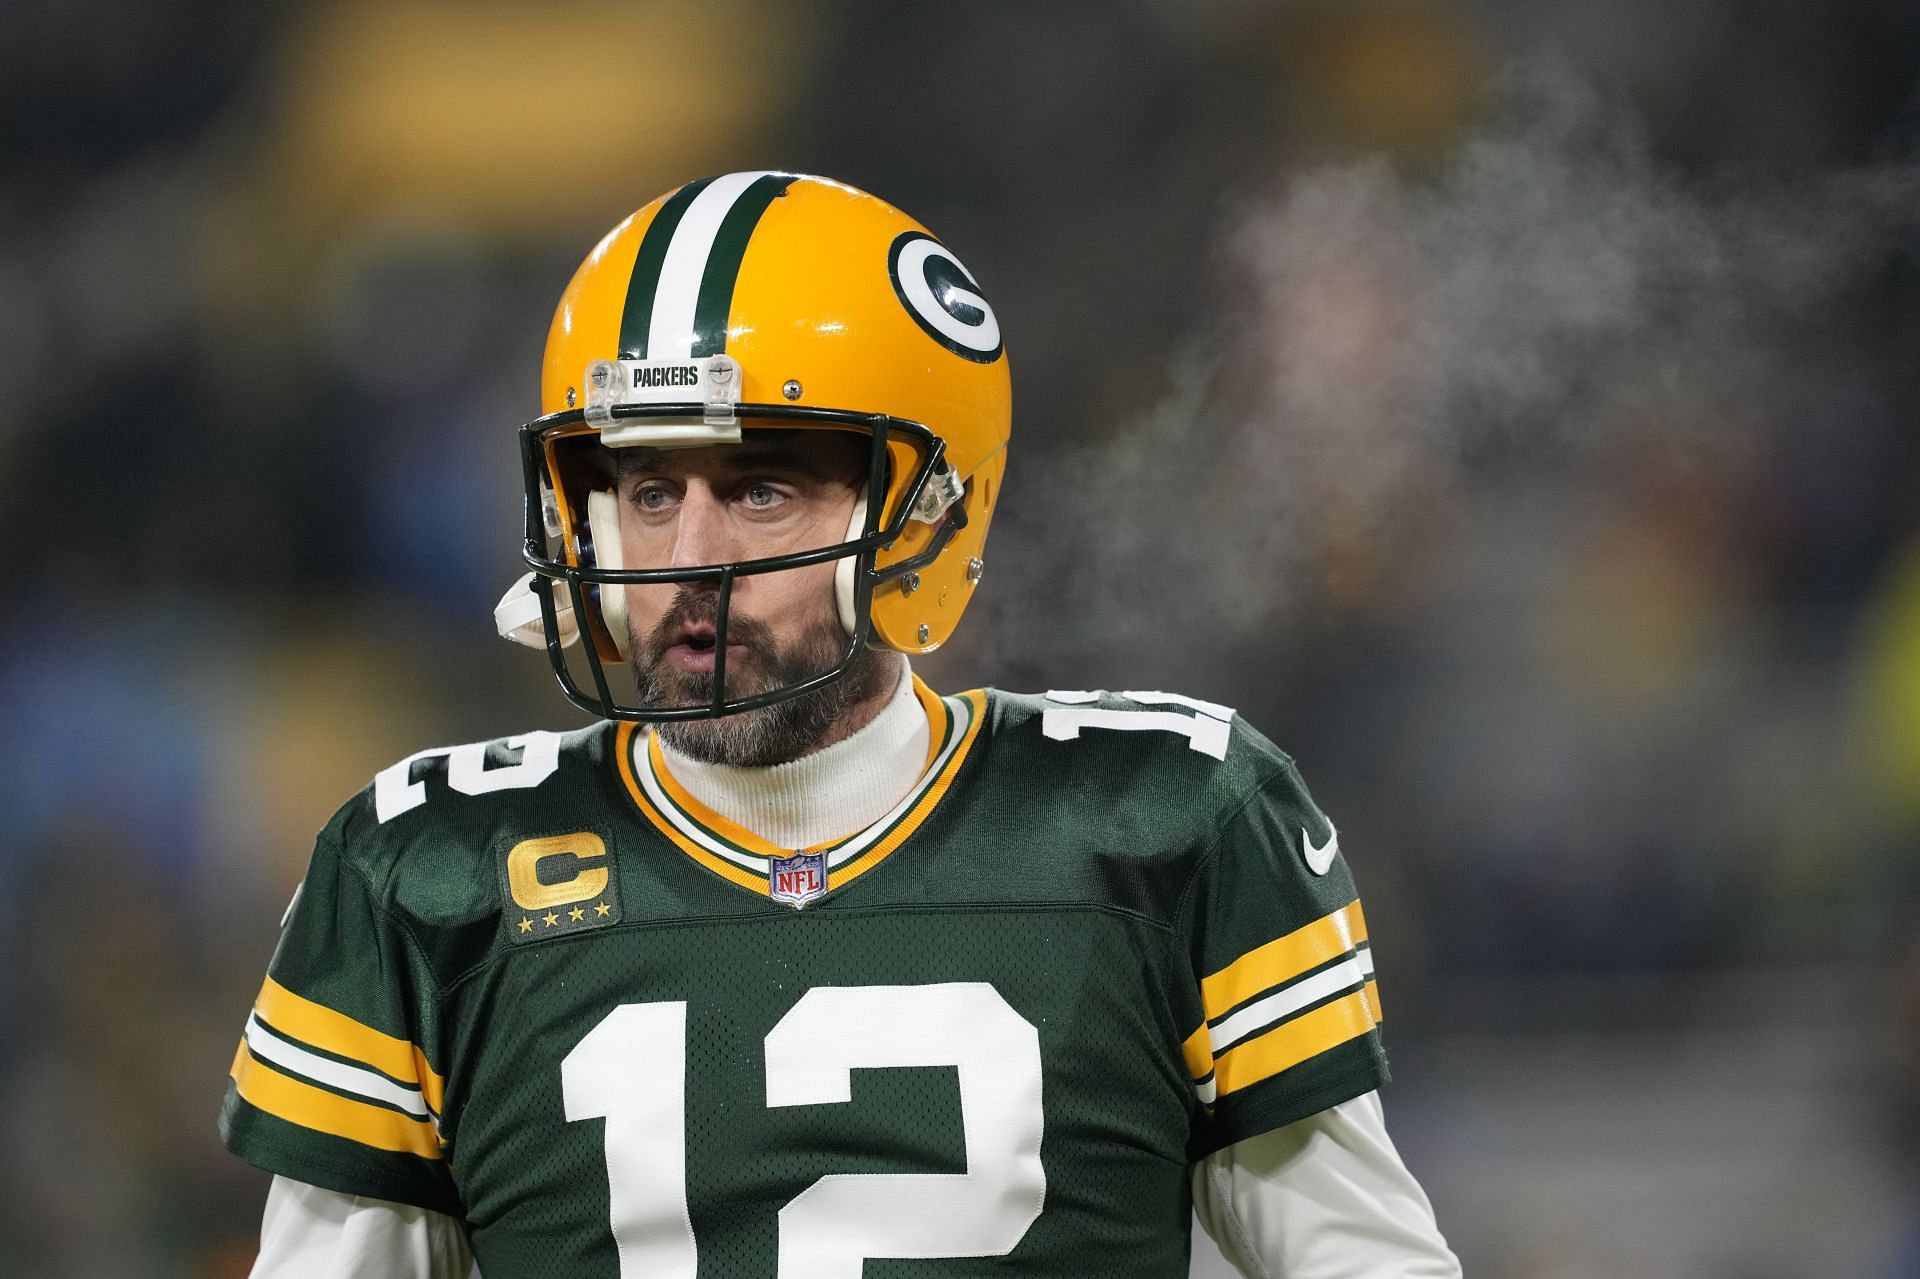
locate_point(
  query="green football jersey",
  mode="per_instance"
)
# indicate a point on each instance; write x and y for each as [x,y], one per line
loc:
[535,984]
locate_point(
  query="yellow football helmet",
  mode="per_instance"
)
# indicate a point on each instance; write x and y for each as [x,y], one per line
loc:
[765,301]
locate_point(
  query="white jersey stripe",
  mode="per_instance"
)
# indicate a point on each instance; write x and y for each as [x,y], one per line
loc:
[270,1047]
[670,328]
[1286,1001]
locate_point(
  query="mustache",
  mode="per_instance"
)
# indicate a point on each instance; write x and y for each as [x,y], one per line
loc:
[702,607]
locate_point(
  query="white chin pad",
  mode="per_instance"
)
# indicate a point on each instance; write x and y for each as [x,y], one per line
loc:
[517,616]
[843,568]
[603,519]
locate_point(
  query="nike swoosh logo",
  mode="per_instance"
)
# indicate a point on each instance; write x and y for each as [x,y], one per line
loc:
[1320,860]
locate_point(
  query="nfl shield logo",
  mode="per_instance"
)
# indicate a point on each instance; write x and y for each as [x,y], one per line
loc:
[798,879]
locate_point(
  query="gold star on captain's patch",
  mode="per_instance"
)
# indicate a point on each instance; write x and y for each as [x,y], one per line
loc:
[602,909]
[551,919]
[526,925]
[576,914]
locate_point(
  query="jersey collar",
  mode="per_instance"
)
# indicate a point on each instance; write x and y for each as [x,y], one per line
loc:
[737,854]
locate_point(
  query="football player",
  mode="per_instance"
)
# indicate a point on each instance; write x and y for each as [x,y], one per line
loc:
[791,966]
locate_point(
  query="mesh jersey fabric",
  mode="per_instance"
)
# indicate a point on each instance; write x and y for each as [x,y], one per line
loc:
[1147,909]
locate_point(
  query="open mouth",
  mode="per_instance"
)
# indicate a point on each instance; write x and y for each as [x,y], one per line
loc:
[692,649]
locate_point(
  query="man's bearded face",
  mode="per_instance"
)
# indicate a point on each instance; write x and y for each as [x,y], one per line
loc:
[756,663]
[776,493]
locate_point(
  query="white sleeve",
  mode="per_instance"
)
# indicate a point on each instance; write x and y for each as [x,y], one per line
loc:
[1324,1198]
[310,1233]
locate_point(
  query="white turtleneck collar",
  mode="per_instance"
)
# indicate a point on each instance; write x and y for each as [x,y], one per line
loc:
[825,796]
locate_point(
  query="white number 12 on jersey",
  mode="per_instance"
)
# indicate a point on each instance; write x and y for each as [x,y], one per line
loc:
[631,1071]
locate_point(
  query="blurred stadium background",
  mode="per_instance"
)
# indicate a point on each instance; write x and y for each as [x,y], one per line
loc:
[1510,407]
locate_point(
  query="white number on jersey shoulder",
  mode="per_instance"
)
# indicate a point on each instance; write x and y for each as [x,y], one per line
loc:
[396,792]
[1206,731]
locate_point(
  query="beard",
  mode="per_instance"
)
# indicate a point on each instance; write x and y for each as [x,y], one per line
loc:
[772,734]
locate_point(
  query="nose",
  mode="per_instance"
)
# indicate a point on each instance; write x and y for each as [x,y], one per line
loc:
[701,533]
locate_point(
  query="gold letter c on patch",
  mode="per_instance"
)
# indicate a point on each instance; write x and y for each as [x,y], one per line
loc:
[523,873]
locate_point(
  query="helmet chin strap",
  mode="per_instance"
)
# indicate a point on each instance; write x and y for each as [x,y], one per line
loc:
[603,518]
[517,616]
[843,568]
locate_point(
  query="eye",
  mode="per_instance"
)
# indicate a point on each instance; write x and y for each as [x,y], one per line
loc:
[652,496]
[761,496]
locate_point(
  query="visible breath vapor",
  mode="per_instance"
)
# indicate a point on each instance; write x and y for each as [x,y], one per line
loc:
[1550,293]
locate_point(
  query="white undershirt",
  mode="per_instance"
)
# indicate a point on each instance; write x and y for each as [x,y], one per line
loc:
[831,793]
[1325,1198]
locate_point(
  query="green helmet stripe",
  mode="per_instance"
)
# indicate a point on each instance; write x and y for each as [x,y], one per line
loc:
[723,262]
[645,280]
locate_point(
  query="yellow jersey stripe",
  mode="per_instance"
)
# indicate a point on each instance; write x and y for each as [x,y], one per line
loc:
[285,1097]
[323,1028]
[1371,992]
[1295,1041]
[623,748]
[1198,1050]
[1283,959]
[937,714]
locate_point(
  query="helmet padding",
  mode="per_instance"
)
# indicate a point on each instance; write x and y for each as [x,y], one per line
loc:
[603,519]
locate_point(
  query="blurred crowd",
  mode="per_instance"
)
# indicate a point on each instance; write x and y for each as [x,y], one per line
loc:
[1510,408]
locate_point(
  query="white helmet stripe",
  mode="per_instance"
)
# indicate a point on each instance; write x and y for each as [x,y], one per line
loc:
[670,332]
